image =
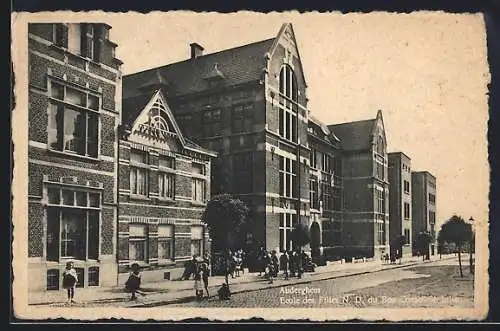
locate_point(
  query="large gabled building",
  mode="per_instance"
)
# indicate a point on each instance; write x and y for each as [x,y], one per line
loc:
[248,104]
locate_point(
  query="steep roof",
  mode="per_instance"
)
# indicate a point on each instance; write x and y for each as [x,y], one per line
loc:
[132,107]
[237,65]
[354,135]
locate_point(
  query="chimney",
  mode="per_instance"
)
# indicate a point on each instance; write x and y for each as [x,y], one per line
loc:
[196,50]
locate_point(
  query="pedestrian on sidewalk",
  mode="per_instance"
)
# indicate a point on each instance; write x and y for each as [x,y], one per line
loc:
[284,260]
[198,286]
[189,269]
[133,283]
[205,274]
[275,263]
[261,264]
[70,278]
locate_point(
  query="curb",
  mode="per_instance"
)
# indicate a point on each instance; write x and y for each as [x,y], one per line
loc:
[189,299]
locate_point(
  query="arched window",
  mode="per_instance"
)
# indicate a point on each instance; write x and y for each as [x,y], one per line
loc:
[288,83]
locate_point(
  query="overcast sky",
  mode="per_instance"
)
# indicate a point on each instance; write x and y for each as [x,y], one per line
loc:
[426,71]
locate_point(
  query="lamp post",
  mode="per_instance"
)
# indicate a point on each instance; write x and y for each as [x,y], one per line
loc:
[472,242]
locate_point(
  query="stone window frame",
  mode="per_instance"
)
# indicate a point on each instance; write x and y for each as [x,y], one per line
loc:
[87,108]
[286,225]
[288,174]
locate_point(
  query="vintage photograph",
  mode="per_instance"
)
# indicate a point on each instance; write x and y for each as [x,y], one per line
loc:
[317,165]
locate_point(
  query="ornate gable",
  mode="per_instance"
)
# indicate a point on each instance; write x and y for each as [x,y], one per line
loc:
[286,37]
[155,126]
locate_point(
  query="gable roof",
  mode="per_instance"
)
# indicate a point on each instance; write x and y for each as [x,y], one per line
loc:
[237,65]
[355,135]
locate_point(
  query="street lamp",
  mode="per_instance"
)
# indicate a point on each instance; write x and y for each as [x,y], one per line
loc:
[472,242]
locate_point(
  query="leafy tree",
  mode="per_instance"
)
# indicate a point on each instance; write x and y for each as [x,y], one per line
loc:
[300,237]
[224,216]
[422,242]
[397,244]
[457,231]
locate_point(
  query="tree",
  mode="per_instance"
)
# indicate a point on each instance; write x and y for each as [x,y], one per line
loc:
[457,231]
[224,216]
[397,244]
[300,237]
[422,242]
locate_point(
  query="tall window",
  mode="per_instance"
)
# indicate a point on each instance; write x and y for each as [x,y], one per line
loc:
[139,173]
[58,34]
[432,217]
[288,104]
[380,173]
[198,184]
[287,223]
[288,173]
[138,242]
[73,123]
[313,192]
[166,178]
[406,211]
[165,242]
[90,45]
[337,199]
[72,224]
[381,233]
[380,201]
[432,199]
[326,165]
[406,186]
[197,240]
[212,122]
[380,146]
[313,158]
[407,236]
[242,118]
[326,194]
[243,171]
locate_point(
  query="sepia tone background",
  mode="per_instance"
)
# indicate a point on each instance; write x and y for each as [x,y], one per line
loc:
[427,71]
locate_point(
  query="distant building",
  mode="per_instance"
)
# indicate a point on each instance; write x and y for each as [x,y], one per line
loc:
[164,186]
[74,111]
[365,226]
[423,194]
[400,199]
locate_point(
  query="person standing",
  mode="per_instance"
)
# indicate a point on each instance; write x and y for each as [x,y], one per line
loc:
[284,263]
[198,286]
[70,278]
[205,275]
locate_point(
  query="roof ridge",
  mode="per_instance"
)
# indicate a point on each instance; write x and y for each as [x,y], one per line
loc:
[353,122]
[201,56]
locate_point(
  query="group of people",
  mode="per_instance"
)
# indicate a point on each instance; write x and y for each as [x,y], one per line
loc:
[291,263]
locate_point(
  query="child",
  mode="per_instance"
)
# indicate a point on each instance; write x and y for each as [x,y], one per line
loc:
[224,292]
[70,279]
[133,282]
[198,287]
[206,273]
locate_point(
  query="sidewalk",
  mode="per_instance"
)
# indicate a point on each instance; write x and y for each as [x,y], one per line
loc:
[162,293]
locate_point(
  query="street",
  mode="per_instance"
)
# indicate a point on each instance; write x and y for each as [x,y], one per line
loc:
[435,284]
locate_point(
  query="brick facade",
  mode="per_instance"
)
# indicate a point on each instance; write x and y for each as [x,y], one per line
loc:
[72,193]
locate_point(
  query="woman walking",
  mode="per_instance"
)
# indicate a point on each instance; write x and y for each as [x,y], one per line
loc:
[70,278]
[133,282]
[205,275]
[198,286]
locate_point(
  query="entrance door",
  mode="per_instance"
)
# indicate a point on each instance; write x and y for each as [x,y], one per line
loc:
[315,238]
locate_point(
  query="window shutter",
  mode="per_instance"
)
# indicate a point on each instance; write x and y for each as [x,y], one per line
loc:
[83,40]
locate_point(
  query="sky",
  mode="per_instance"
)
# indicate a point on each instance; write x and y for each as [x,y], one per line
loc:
[426,71]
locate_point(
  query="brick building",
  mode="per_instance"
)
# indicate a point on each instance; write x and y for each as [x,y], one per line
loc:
[423,191]
[164,184]
[365,225]
[400,199]
[248,104]
[325,177]
[74,102]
